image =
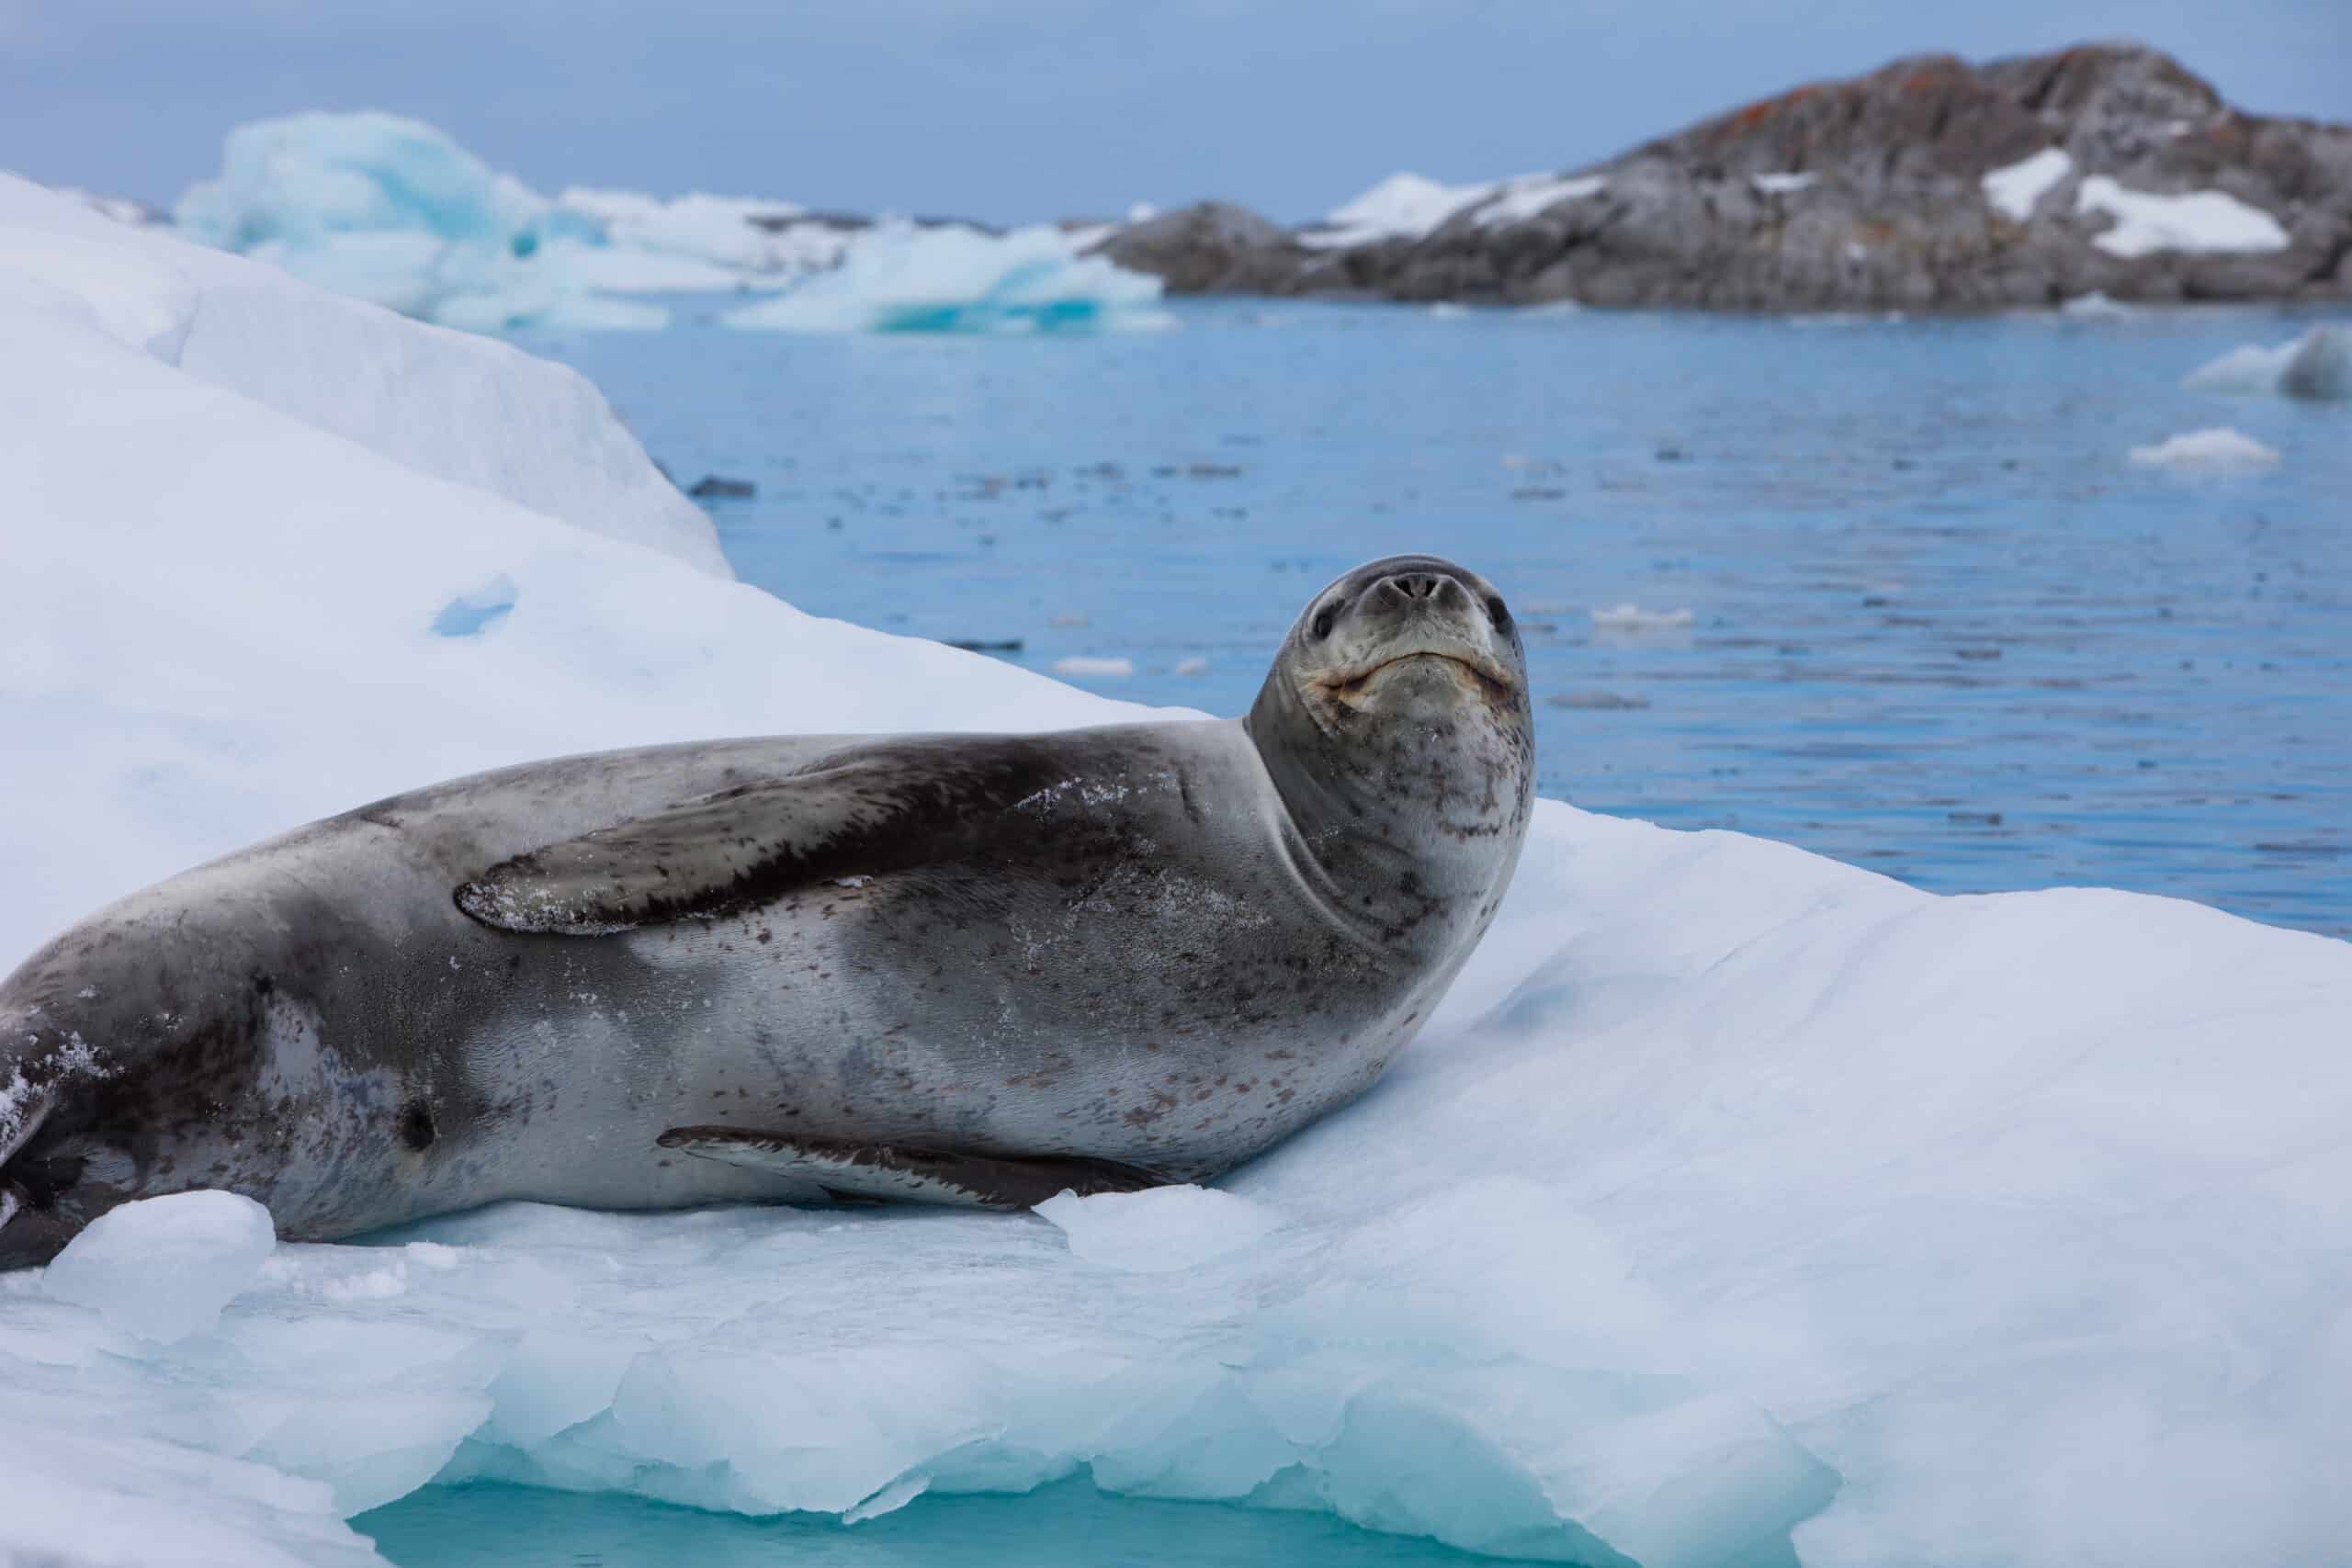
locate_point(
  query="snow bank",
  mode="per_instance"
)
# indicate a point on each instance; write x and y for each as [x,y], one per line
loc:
[1403,206]
[393,211]
[2219,447]
[2017,188]
[1735,1198]
[2316,366]
[900,278]
[2198,220]
[1516,201]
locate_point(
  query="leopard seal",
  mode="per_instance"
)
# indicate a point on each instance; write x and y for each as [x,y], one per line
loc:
[953,969]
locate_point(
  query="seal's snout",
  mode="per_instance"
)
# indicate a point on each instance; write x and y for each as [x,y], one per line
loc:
[1411,587]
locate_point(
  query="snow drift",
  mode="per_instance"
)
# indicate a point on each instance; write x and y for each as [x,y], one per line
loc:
[1737,1203]
[392,211]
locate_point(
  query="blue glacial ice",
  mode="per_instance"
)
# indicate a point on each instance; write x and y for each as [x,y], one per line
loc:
[392,210]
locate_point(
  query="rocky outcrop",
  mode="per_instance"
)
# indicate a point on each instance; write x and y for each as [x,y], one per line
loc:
[1927,184]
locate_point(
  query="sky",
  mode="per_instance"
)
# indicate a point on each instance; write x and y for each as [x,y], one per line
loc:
[1025,109]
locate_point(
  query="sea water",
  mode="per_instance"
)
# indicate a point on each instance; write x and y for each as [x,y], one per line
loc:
[1070,1525]
[1937,623]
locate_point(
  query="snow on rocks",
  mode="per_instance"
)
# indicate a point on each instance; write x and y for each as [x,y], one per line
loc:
[162,1269]
[1737,1206]
[2017,188]
[2200,220]
[2216,448]
[1403,206]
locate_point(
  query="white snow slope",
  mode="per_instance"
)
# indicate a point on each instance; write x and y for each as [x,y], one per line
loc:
[1737,1200]
[393,211]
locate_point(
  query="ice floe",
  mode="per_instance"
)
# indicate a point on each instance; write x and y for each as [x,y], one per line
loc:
[1738,1206]
[2316,366]
[2219,447]
[394,211]
[2017,188]
[2202,220]
[163,1269]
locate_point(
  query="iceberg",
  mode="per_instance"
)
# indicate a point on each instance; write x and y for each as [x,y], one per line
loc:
[1738,1206]
[901,277]
[2316,366]
[393,211]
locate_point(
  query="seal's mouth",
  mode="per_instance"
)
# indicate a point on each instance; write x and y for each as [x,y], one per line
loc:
[1483,676]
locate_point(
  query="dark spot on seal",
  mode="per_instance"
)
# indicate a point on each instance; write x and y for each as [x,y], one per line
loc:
[263,985]
[416,1125]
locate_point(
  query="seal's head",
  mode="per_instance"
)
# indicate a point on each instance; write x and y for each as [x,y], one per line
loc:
[1399,704]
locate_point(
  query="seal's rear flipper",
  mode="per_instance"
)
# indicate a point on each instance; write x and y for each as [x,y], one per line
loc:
[910,1175]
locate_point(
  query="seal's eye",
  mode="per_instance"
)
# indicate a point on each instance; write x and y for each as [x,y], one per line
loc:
[1322,628]
[1497,613]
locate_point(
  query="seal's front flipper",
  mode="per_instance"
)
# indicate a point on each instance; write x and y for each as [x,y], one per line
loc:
[870,809]
[895,1172]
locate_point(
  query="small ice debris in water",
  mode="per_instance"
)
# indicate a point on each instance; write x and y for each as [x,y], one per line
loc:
[1076,622]
[163,1268]
[1194,665]
[2316,366]
[471,613]
[2219,447]
[1078,664]
[1632,617]
[719,487]
[1158,1230]
[2095,307]
[1447,309]
[2016,188]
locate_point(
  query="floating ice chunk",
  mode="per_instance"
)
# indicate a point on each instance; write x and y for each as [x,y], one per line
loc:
[901,279]
[2202,220]
[1632,617]
[1082,665]
[163,1268]
[2219,447]
[1159,1230]
[2015,190]
[1193,665]
[2095,307]
[1783,183]
[1403,206]
[2316,366]
[1449,310]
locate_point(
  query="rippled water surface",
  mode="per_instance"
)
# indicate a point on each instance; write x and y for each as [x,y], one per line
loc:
[1937,623]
